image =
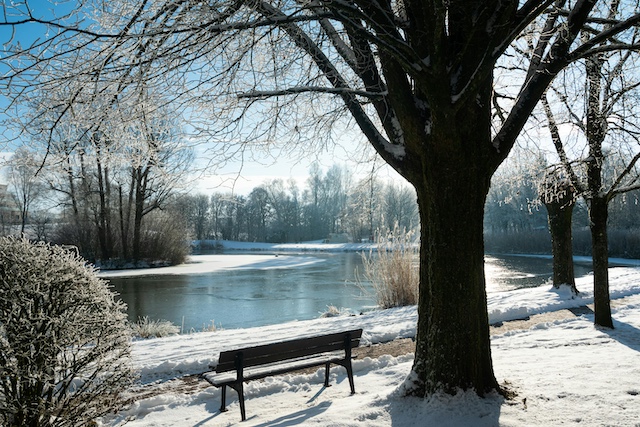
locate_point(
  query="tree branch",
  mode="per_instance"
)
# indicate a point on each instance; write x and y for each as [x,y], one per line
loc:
[316,89]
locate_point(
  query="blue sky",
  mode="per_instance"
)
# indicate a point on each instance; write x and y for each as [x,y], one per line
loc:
[239,177]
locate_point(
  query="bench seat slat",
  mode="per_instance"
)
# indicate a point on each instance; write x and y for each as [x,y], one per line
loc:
[263,371]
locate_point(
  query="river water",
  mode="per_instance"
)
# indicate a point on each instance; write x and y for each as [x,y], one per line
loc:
[246,298]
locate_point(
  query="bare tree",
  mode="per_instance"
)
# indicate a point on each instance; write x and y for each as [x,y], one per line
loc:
[558,195]
[417,79]
[364,212]
[26,186]
[259,215]
[608,122]
[400,207]
[200,213]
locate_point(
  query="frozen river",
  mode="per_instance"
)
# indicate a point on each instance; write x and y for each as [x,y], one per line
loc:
[271,290]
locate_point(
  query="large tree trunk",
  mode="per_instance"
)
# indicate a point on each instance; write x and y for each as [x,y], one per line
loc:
[453,346]
[600,254]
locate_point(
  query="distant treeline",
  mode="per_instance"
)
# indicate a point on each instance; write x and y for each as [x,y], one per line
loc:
[330,206]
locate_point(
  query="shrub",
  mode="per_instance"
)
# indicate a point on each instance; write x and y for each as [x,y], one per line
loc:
[393,270]
[64,339]
[164,238]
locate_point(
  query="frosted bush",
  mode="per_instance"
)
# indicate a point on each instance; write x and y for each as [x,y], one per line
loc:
[147,328]
[393,269]
[64,339]
[333,311]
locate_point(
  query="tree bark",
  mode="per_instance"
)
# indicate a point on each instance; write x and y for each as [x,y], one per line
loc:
[140,186]
[600,255]
[561,243]
[103,220]
[596,130]
[452,181]
[558,197]
[125,219]
[453,346]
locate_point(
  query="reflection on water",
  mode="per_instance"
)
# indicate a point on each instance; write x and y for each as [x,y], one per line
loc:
[246,298]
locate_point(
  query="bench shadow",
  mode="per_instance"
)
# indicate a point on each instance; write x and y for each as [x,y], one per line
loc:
[582,310]
[213,406]
[299,417]
[317,395]
[206,420]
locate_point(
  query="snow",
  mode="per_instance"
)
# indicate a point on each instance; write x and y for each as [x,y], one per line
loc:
[564,371]
[199,264]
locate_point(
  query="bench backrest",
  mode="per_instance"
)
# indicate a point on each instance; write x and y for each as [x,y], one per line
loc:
[287,350]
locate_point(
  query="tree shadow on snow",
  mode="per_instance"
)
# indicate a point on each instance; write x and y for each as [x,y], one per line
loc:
[463,409]
[625,334]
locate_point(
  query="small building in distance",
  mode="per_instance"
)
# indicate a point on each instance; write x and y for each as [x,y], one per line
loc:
[9,210]
[338,238]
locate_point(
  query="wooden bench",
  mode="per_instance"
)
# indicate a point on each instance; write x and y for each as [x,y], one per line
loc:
[237,366]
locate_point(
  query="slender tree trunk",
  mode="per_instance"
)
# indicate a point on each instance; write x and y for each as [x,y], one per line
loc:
[138,206]
[107,215]
[88,220]
[597,198]
[72,192]
[130,208]
[600,254]
[104,237]
[124,224]
[24,213]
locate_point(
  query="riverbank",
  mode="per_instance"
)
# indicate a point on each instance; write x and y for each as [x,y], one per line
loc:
[313,246]
[246,255]
[562,369]
[191,384]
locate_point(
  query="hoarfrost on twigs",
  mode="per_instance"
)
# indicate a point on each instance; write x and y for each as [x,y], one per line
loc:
[64,339]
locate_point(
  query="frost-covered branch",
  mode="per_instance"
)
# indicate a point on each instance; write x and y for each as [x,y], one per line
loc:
[316,89]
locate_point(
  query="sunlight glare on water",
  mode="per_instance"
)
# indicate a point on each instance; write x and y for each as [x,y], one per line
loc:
[500,277]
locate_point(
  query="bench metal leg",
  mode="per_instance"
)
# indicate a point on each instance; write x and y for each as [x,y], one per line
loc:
[240,391]
[223,405]
[326,374]
[239,388]
[350,375]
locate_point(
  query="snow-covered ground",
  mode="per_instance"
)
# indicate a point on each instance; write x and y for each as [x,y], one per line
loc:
[564,372]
